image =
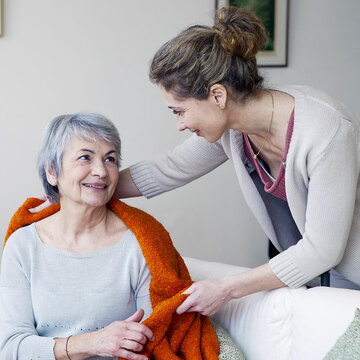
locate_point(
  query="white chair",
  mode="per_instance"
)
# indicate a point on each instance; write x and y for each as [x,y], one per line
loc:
[288,324]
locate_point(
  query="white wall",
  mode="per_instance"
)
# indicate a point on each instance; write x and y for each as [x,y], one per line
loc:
[62,56]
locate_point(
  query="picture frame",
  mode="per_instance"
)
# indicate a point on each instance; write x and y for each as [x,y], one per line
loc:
[275,15]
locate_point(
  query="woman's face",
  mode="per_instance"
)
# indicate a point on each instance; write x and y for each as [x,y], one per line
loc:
[89,172]
[203,117]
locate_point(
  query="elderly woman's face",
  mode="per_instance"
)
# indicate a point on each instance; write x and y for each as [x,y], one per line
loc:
[89,172]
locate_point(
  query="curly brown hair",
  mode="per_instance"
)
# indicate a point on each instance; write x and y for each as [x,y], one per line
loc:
[201,56]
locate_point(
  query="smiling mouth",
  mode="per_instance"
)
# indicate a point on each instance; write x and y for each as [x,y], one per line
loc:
[95,186]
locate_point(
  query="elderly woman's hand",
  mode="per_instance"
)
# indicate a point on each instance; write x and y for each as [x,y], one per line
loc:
[206,297]
[123,338]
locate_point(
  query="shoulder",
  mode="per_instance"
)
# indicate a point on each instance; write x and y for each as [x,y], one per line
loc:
[313,103]
[131,246]
[320,120]
[18,256]
[131,242]
[135,257]
[21,240]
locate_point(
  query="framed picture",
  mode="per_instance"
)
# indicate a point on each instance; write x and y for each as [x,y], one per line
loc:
[274,14]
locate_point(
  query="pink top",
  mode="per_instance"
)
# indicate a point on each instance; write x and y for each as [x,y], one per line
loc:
[276,187]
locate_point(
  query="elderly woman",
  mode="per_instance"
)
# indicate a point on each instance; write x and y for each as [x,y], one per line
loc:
[75,285]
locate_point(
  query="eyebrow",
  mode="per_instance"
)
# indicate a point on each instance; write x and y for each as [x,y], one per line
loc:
[93,152]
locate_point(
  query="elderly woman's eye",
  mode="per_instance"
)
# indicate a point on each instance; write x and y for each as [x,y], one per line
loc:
[111,159]
[84,157]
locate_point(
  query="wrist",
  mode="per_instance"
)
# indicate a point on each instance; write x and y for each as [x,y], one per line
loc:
[252,281]
[77,347]
[232,287]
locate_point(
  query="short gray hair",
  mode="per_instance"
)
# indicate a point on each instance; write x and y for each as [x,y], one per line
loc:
[90,126]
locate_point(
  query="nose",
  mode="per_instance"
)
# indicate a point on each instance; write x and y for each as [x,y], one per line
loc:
[180,125]
[99,169]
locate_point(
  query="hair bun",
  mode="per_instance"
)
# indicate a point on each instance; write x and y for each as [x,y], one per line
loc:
[240,32]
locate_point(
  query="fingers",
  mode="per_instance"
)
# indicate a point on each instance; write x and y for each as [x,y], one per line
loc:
[135,336]
[123,338]
[188,302]
[136,316]
[189,290]
[132,345]
[205,297]
[141,329]
[42,206]
[126,354]
[185,306]
[133,324]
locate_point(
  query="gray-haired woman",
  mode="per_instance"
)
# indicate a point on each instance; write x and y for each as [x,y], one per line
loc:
[75,284]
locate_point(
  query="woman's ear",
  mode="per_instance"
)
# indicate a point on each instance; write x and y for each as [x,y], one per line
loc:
[51,177]
[219,95]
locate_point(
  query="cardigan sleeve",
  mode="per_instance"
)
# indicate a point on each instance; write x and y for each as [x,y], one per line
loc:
[332,192]
[18,336]
[192,159]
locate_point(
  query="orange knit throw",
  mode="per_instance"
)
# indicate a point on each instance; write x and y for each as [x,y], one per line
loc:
[186,336]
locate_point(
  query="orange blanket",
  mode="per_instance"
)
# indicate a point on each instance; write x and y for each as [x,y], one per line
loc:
[186,336]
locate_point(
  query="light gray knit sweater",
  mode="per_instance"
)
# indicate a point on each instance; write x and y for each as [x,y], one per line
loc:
[47,292]
[321,177]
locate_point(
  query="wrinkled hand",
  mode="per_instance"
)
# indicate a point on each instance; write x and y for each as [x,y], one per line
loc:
[206,297]
[42,206]
[123,338]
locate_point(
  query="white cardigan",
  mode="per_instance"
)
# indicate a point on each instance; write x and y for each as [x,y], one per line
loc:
[321,177]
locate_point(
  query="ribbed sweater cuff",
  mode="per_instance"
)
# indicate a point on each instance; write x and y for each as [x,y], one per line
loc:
[37,347]
[143,178]
[47,351]
[287,272]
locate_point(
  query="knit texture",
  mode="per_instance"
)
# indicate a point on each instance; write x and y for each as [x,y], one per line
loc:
[186,336]
[348,345]
[322,185]
[229,349]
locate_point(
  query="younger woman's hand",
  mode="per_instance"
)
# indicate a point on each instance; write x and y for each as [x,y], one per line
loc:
[42,206]
[123,338]
[206,297]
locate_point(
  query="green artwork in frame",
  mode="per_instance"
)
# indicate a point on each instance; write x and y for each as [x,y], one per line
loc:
[265,10]
[274,15]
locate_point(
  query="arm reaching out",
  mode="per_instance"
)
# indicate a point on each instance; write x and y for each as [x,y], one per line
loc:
[126,187]
[208,296]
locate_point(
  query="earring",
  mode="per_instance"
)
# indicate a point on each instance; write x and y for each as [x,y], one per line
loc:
[222,106]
